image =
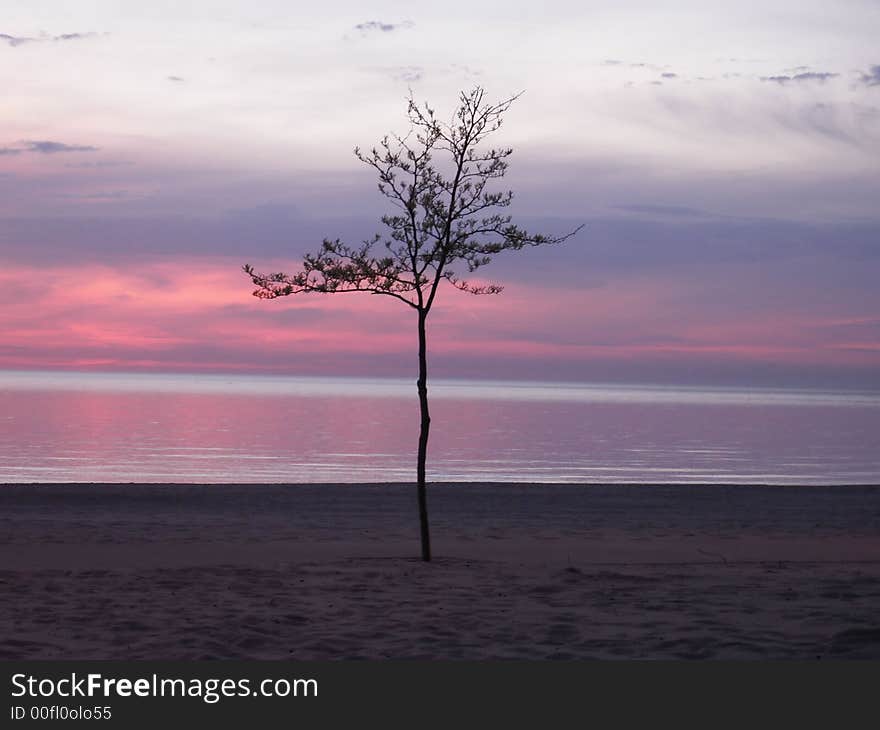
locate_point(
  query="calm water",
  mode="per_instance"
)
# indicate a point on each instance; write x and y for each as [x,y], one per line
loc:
[57,427]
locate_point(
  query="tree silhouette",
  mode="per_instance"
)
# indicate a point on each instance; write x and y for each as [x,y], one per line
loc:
[446,217]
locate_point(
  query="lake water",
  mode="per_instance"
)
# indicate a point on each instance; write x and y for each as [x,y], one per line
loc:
[72,427]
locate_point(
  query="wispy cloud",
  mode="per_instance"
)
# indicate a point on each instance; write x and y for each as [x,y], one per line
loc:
[378,26]
[746,60]
[820,76]
[464,69]
[408,74]
[16,40]
[98,165]
[45,147]
[48,147]
[74,36]
[616,62]
[176,79]
[872,77]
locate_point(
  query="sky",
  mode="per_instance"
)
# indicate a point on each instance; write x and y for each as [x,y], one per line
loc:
[724,158]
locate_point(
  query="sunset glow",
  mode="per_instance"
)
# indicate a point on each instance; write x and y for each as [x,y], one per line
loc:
[728,186]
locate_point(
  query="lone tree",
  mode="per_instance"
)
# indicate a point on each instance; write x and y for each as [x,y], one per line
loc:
[446,219]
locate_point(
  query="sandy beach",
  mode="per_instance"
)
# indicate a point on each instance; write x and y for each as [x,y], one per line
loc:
[521,572]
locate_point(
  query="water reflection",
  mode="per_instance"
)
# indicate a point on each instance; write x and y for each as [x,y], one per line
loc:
[68,427]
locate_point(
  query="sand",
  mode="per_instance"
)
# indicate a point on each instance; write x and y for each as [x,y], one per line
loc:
[521,572]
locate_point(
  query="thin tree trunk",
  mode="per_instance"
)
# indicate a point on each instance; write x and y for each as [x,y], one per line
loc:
[423,437]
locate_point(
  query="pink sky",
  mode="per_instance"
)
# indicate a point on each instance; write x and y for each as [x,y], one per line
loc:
[729,185]
[197,315]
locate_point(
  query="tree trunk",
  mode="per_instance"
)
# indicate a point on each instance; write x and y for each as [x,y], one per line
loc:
[423,437]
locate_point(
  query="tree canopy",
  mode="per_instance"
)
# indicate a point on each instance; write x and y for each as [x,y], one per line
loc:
[447,220]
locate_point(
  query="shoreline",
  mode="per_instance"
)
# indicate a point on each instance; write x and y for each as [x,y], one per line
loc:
[464,483]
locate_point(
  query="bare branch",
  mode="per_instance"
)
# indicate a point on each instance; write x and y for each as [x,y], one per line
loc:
[470,288]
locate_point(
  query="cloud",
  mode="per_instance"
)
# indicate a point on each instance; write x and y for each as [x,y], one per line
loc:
[464,69]
[872,77]
[820,76]
[45,147]
[405,74]
[176,79]
[669,75]
[827,120]
[48,147]
[409,74]
[14,41]
[198,314]
[98,165]
[371,26]
[630,64]
[74,36]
